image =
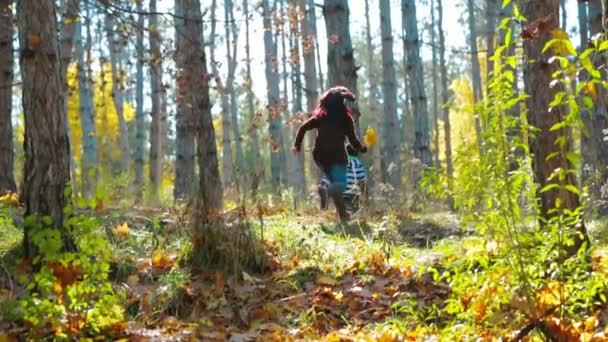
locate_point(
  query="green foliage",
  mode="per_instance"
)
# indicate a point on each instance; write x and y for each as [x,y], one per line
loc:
[71,294]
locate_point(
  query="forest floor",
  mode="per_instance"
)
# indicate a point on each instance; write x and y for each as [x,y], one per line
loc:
[377,279]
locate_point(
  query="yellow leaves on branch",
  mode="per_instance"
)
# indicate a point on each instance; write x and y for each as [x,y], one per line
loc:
[370,137]
[10,199]
[591,90]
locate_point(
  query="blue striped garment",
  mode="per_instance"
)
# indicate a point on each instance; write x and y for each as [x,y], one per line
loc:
[355,173]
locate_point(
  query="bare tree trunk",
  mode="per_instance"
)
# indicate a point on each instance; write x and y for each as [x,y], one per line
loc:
[538,73]
[564,13]
[47,146]
[309,44]
[254,150]
[312,20]
[7,182]
[272,81]
[197,90]
[476,73]
[597,148]
[296,71]
[491,13]
[389,89]
[140,130]
[87,114]
[118,94]
[231,50]
[156,112]
[373,96]
[341,68]
[227,171]
[189,78]
[286,160]
[435,115]
[416,78]
[444,100]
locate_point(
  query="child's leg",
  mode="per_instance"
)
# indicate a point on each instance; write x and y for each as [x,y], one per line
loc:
[337,175]
[323,195]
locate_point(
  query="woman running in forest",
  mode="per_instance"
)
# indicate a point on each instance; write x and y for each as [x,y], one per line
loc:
[333,119]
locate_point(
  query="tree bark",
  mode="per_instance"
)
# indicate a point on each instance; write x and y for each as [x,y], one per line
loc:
[376,152]
[254,121]
[188,112]
[341,68]
[7,182]
[287,161]
[416,78]
[548,156]
[87,114]
[435,115]
[272,88]
[390,132]
[231,50]
[140,119]
[444,100]
[47,146]
[475,70]
[312,20]
[210,185]
[227,171]
[156,113]
[595,146]
[296,72]
[118,94]
[311,87]
[491,27]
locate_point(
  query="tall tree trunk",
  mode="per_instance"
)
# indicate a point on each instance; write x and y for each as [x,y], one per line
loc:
[389,89]
[548,156]
[227,169]
[312,21]
[475,70]
[210,185]
[296,72]
[47,146]
[272,88]
[254,150]
[444,100]
[564,13]
[231,50]
[596,145]
[373,96]
[188,110]
[118,93]
[286,160]
[491,27]
[341,68]
[87,114]
[309,44]
[156,113]
[583,24]
[416,78]
[140,119]
[435,115]
[7,182]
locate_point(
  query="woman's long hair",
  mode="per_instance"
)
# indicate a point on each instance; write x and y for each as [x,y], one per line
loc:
[332,101]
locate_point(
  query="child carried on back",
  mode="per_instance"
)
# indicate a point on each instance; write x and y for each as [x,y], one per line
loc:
[333,120]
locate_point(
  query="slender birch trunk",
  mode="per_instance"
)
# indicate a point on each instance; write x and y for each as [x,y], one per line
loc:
[118,93]
[254,121]
[389,89]
[475,70]
[444,99]
[272,81]
[140,130]
[416,78]
[376,151]
[435,115]
[156,113]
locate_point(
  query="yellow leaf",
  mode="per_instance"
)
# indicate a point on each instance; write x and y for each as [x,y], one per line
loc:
[370,137]
[590,90]
[122,229]
[560,47]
